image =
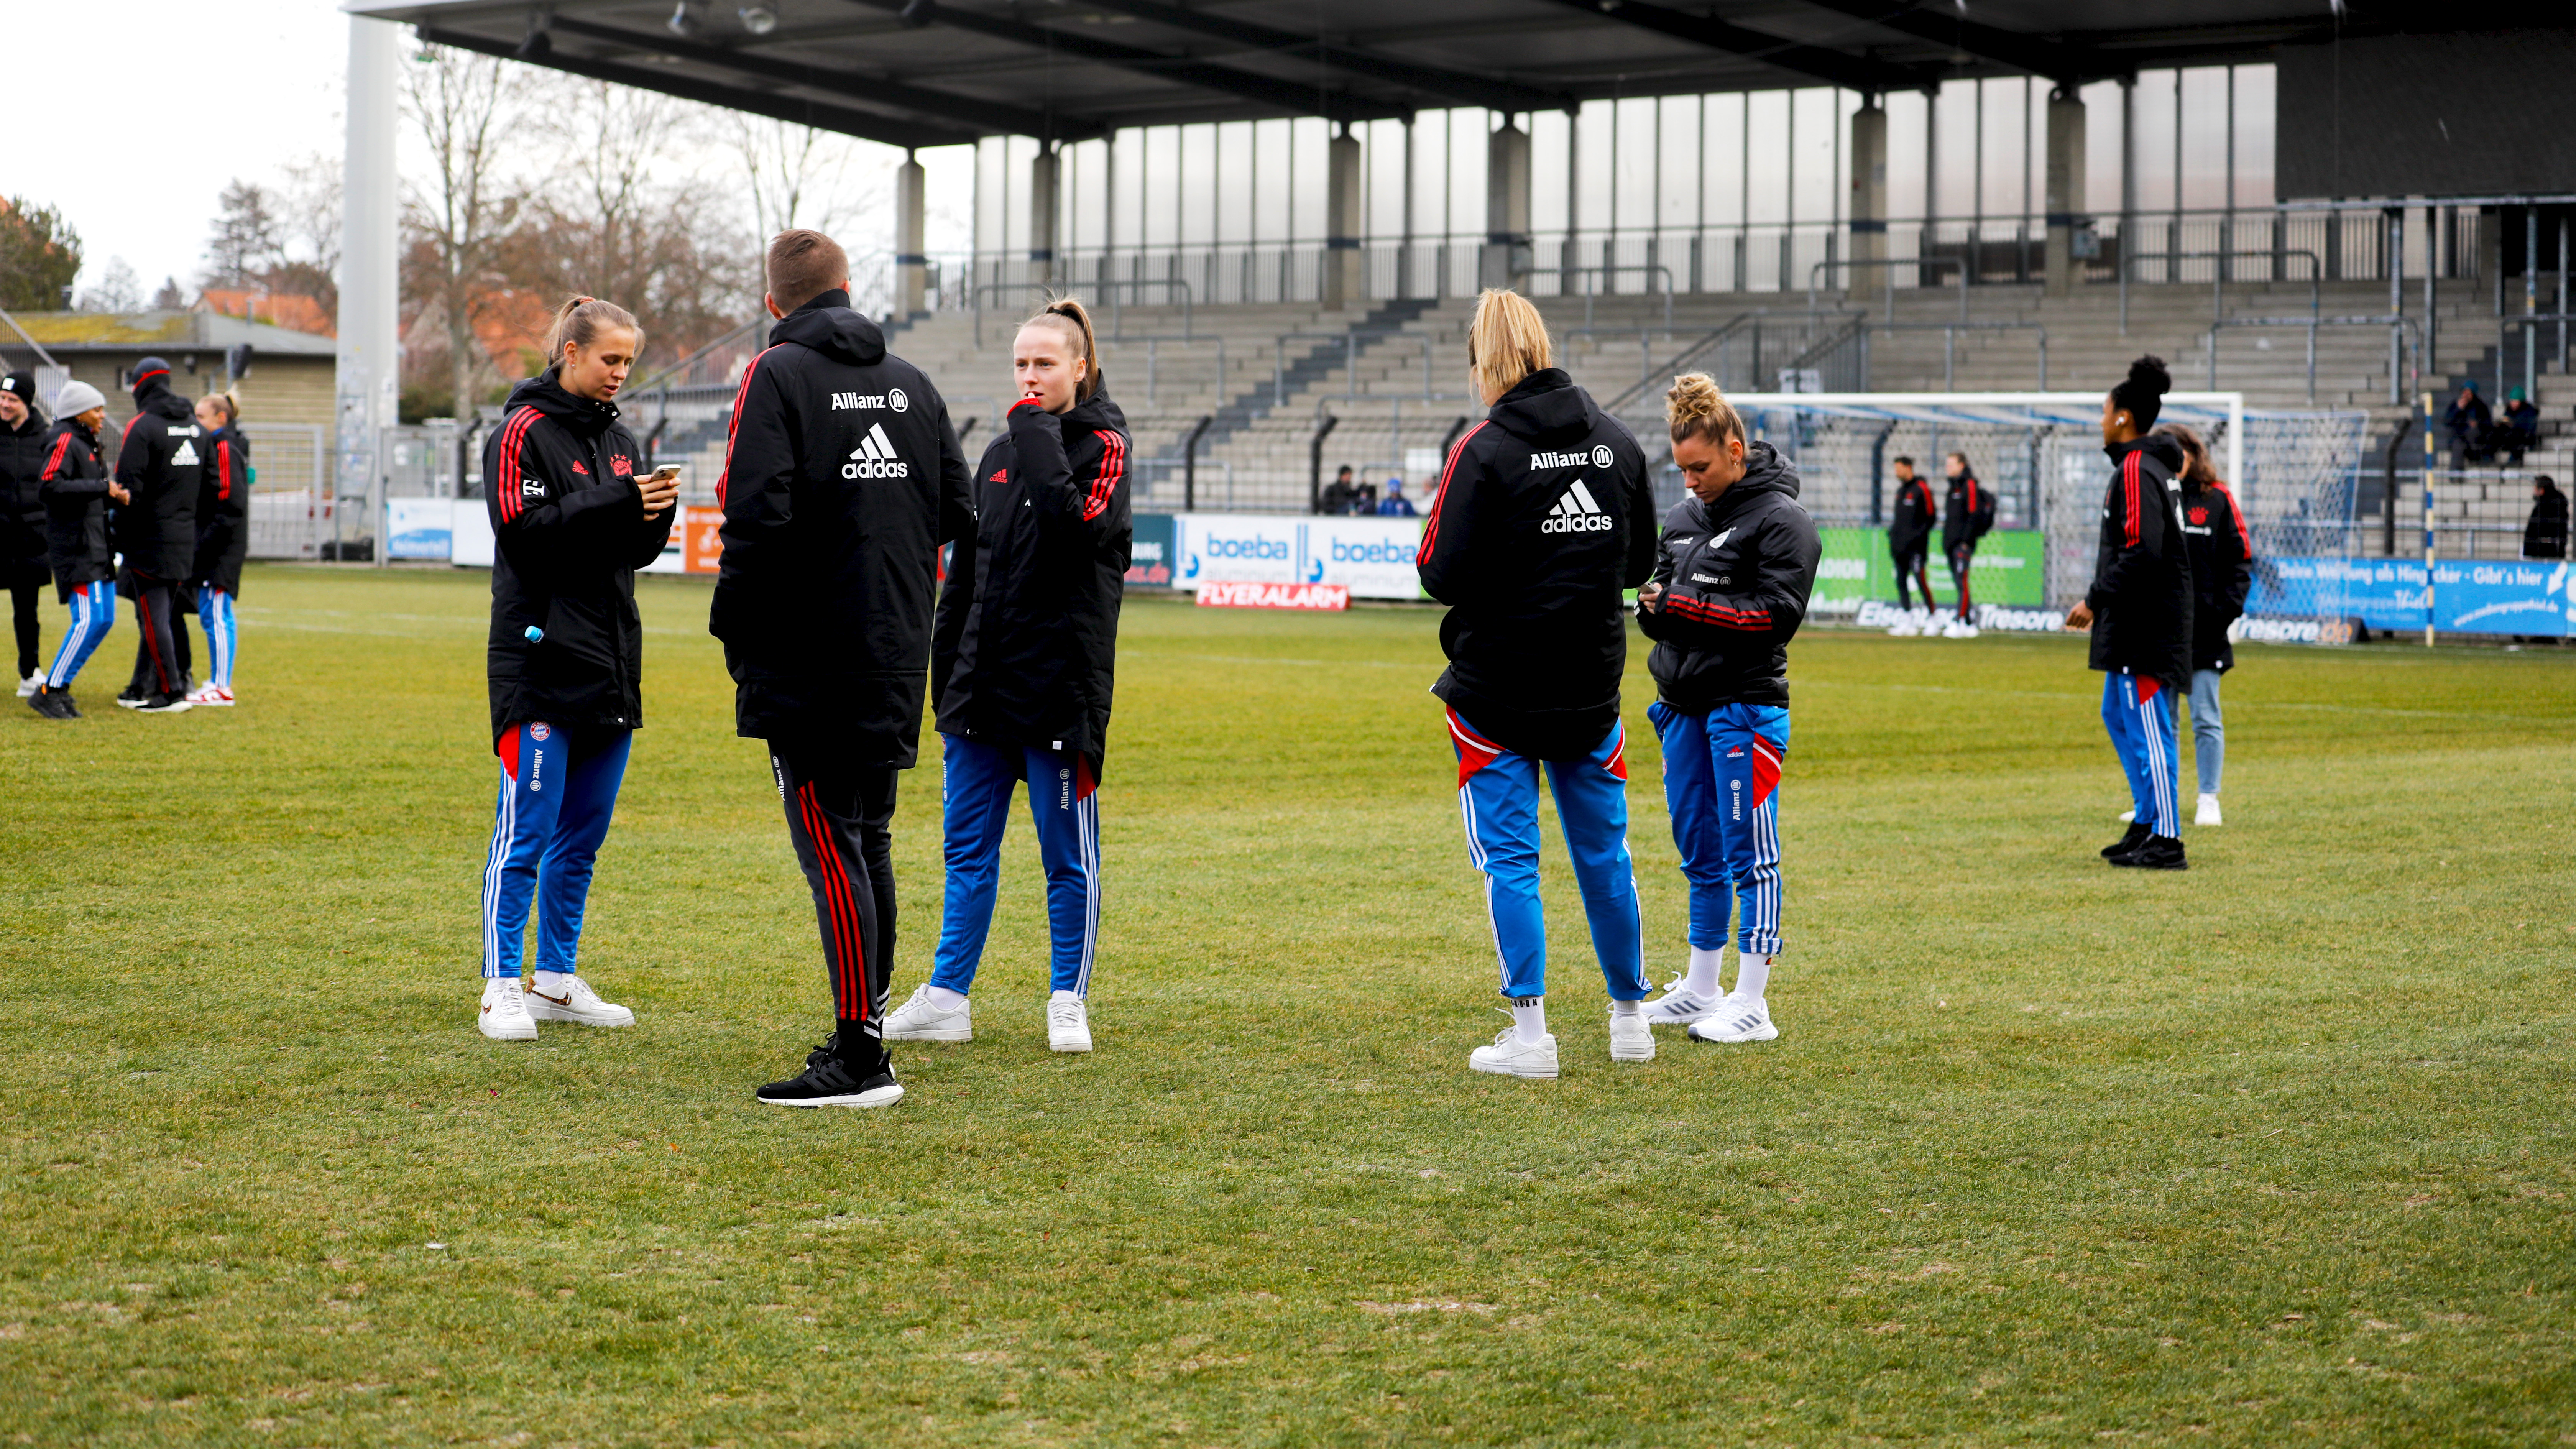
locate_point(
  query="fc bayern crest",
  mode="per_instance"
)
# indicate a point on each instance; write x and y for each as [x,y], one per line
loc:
[539,732]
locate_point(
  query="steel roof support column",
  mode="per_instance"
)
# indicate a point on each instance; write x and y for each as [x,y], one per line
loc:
[369,372]
[1868,202]
[1042,215]
[911,265]
[1507,207]
[1345,280]
[2065,188]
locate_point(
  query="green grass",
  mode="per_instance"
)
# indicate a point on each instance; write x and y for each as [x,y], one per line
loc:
[2277,1151]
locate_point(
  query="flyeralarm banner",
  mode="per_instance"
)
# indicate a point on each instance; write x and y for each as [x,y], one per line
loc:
[1274,596]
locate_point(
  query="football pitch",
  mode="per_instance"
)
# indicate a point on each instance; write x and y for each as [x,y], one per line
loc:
[2274,1151]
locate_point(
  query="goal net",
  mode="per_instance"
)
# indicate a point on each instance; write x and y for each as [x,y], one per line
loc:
[2293,472]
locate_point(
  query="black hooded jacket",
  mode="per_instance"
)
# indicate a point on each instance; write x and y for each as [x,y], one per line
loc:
[2142,583]
[161,462]
[1909,530]
[2544,534]
[842,478]
[569,531]
[223,511]
[73,484]
[22,501]
[1967,512]
[1736,575]
[1028,625]
[2222,570]
[1544,517]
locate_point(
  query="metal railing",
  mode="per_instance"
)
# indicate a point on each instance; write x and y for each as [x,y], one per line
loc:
[1117,287]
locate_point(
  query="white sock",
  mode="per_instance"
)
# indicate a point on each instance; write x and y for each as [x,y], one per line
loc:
[1627,1008]
[1066,996]
[1752,974]
[945,999]
[553,983]
[1529,1014]
[1705,967]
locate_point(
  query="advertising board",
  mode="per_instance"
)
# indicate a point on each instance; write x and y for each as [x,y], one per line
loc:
[1371,557]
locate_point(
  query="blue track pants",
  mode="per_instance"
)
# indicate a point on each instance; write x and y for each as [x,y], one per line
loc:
[1721,783]
[976,783]
[1498,799]
[215,611]
[93,607]
[558,789]
[2139,713]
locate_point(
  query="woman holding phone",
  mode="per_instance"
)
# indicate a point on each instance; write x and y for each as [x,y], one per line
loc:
[572,520]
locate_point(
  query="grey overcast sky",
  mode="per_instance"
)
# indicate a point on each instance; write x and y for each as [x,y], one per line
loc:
[131,116]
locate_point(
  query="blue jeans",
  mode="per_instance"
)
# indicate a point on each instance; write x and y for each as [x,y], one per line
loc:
[1498,799]
[1721,784]
[2139,713]
[976,784]
[558,789]
[2208,730]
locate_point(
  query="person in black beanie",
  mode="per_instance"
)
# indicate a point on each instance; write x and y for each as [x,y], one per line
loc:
[22,516]
[161,462]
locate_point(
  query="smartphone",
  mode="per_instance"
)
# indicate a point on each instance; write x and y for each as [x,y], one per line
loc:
[666,472]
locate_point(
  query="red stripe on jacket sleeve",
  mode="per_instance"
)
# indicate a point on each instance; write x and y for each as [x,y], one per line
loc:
[2236,515]
[224,471]
[733,424]
[1431,525]
[1113,466]
[53,465]
[2129,487]
[513,438]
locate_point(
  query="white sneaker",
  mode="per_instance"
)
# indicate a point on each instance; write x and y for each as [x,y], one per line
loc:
[1903,629]
[30,685]
[1631,1040]
[1068,1023]
[1736,1019]
[2208,814]
[1509,1056]
[1963,630]
[921,1019]
[1679,1006]
[578,1003]
[214,695]
[505,1011]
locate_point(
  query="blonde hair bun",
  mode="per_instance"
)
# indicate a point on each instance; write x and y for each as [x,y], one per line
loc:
[1696,406]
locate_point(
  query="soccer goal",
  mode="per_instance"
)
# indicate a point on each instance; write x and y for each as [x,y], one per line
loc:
[2293,472]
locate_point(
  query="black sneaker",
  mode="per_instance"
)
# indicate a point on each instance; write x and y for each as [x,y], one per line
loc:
[2136,837]
[2161,852]
[131,697]
[828,1081]
[162,704]
[53,703]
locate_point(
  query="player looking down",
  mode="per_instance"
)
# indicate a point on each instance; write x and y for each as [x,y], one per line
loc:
[572,519]
[842,478]
[1542,519]
[2139,610]
[1022,670]
[1732,575]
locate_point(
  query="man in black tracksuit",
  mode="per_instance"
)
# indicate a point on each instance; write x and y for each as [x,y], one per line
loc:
[76,491]
[2140,612]
[842,479]
[162,463]
[1967,514]
[1909,537]
[22,515]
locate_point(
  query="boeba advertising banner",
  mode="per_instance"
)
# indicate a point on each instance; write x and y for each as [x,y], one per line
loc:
[1371,557]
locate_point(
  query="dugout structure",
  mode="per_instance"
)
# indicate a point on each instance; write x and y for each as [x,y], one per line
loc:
[2293,471]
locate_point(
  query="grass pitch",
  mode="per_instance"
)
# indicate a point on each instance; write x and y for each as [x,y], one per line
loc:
[2277,1151]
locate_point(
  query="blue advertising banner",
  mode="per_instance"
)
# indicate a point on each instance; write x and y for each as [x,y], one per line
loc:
[2469,596]
[1149,560]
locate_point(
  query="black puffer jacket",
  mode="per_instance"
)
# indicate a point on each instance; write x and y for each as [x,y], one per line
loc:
[2222,570]
[1909,529]
[74,488]
[22,501]
[569,531]
[161,462]
[2142,583]
[223,512]
[1736,575]
[1544,517]
[1967,512]
[1027,639]
[842,478]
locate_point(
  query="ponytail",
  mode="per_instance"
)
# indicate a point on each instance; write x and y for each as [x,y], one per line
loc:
[1071,318]
[226,402]
[578,321]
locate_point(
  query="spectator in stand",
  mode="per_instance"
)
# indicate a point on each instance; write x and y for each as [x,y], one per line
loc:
[2519,432]
[2469,421]
[1363,500]
[2545,536]
[1337,494]
[22,516]
[1395,504]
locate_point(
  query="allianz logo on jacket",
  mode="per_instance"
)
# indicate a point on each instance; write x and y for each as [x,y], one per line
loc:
[893,399]
[874,457]
[1597,458]
[1576,512]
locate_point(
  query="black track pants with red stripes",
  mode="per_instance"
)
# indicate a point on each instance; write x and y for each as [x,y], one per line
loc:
[839,815]
[157,669]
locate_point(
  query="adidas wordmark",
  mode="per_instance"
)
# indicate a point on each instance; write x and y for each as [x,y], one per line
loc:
[1576,512]
[874,457]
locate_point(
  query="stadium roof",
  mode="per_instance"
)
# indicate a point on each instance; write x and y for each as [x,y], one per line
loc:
[941,72]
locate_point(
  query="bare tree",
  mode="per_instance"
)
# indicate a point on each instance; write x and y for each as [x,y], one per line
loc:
[465,108]
[116,289]
[799,176]
[244,245]
[308,226]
